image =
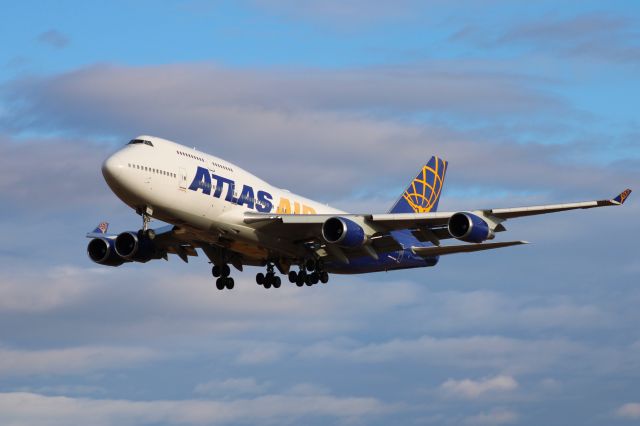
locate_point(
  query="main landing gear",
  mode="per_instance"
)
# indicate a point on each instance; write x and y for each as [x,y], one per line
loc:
[311,272]
[270,279]
[222,272]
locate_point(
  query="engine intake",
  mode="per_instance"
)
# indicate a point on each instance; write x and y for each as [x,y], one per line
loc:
[134,247]
[101,251]
[469,227]
[344,232]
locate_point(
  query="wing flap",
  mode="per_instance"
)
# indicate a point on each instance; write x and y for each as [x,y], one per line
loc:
[463,248]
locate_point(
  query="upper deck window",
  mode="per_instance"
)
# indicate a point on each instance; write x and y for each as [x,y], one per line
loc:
[135,141]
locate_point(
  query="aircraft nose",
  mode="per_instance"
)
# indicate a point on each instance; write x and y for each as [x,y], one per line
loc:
[112,168]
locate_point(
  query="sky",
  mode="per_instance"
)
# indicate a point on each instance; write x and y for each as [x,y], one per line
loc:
[342,102]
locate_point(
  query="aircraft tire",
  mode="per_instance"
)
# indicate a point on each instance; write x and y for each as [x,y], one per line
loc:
[277,282]
[311,265]
[300,279]
[293,276]
[225,270]
[324,277]
[220,284]
[229,283]
[260,279]
[215,271]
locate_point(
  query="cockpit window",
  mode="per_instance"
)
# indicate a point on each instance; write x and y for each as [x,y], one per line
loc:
[135,141]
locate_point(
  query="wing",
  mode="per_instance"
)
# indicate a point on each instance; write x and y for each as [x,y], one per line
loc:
[304,229]
[409,220]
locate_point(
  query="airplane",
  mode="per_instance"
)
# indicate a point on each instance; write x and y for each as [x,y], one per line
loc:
[237,219]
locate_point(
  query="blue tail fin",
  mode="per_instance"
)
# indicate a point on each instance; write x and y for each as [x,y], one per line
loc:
[423,193]
[102,228]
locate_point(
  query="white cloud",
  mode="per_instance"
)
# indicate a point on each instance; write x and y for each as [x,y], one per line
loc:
[18,362]
[497,416]
[262,353]
[233,386]
[471,389]
[27,408]
[272,112]
[497,352]
[52,173]
[42,291]
[630,410]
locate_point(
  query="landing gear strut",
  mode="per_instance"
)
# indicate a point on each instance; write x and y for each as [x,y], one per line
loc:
[146,214]
[270,279]
[222,273]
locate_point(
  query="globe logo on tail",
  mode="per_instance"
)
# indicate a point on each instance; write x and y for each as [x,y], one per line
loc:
[423,193]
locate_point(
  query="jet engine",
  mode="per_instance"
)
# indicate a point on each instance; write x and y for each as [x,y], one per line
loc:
[469,227]
[102,251]
[135,247]
[343,232]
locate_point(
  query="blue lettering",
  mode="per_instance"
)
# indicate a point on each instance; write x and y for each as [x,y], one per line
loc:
[264,204]
[246,197]
[202,180]
[220,181]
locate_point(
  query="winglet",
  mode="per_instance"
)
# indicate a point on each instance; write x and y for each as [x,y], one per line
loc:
[102,228]
[621,198]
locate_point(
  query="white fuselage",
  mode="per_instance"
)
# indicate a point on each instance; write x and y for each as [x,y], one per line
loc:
[200,193]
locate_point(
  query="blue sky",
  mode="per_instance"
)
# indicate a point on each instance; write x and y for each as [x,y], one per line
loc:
[342,102]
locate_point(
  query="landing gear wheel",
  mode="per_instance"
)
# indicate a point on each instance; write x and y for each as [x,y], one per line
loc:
[220,283]
[293,276]
[260,279]
[314,278]
[311,265]
[324,277]
[215,271]
[277,282]
[229,283]
[307,280]
[225,270]
[301,278]
[267,283]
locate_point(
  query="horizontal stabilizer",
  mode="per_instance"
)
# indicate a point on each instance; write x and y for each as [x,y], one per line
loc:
[463,248]
[620,199]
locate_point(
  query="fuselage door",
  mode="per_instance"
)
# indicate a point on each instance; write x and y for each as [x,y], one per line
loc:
[182,178]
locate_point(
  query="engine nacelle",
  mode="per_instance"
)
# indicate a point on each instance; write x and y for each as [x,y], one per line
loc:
[101,251]
[469,227]
[344,232]
[134,247]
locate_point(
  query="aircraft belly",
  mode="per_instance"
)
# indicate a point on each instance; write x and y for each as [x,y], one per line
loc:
[386,262]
